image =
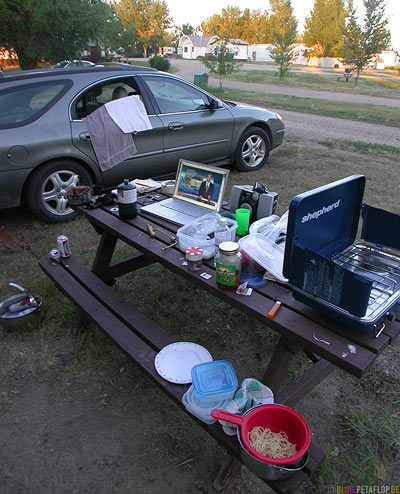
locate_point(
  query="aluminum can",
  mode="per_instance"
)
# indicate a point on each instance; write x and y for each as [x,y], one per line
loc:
[55,254]
[63,246]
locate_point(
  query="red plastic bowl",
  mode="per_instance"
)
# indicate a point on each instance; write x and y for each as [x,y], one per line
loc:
[277,418]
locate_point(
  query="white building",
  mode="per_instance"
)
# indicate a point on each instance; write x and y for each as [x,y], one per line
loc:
[195,46]
[237,46]
[200,46]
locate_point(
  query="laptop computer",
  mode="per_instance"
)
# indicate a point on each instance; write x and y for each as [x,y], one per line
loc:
[199,189]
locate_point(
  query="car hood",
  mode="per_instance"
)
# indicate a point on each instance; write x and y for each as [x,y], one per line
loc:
[243,110]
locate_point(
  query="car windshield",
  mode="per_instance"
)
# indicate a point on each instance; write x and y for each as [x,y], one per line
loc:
[22,105]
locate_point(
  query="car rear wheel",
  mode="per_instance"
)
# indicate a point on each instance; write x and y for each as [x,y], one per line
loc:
[252,150]
[46,186]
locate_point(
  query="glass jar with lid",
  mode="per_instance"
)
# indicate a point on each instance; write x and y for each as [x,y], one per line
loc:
[228,262]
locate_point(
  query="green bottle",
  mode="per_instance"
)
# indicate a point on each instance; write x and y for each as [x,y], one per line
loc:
[127,198]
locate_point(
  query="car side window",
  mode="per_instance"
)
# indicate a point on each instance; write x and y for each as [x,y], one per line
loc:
[174,96]
[24,104]
[97,96]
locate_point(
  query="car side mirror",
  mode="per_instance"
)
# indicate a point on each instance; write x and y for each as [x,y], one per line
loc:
[214,104]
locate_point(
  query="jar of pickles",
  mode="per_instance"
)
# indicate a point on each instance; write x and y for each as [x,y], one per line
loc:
[228,262]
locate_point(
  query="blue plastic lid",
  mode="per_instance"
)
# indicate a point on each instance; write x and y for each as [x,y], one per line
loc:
[212,378]
[254,280]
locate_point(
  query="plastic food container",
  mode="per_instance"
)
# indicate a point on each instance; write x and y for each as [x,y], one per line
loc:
[196,408]
[214,381]
[200,233]
[265,252]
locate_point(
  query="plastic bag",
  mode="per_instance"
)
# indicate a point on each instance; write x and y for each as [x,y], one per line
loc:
[271,227]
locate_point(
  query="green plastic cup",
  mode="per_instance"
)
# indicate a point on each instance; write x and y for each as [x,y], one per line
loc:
[242,219]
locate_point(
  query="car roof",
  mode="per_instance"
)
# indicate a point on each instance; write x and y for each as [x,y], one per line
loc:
[116,68]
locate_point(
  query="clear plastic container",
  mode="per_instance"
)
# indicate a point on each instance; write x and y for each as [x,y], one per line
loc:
[265,252]
[196,408]
[214,381]
[200,233]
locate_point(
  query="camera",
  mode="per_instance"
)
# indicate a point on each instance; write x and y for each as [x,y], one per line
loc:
[256,199]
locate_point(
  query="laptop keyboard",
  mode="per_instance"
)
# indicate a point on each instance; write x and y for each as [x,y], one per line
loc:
[184,207]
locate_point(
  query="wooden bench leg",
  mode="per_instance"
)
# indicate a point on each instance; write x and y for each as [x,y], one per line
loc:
[103,257]
[227,473]
[298,389]
[278,366]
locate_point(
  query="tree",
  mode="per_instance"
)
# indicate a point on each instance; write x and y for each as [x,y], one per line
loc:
[150,18]
[361,44]
[120,39]
[221,61]
[50,30]
[323,32]
[284,33]
[188,29]
[232,23]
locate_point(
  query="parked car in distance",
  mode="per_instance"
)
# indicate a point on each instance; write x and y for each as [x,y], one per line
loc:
[44,141]
[73,64]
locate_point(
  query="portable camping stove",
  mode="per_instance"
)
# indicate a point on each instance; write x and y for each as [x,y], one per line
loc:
[357,283]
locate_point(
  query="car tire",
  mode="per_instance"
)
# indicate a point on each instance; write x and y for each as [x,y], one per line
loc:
[253,149]
[44,190]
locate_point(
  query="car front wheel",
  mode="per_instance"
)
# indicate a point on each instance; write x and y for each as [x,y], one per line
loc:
[252,150]
[46,187]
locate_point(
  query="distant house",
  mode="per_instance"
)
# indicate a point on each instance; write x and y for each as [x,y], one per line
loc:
[195,46]
[388,58]
[259,52]
[262,52]
[167,51]
[237,46]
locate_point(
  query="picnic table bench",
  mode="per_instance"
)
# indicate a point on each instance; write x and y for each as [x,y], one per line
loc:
[346,75]
[302,329]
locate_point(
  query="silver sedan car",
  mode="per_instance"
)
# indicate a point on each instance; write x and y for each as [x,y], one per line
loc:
[44,141]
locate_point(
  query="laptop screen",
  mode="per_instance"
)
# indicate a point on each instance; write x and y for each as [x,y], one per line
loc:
[200,184]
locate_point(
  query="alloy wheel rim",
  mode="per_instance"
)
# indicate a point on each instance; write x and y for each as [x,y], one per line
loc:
[253,150]
[53,192]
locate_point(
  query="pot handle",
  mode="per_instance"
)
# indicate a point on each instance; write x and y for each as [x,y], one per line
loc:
[31,297]
[228,417]
[288,469]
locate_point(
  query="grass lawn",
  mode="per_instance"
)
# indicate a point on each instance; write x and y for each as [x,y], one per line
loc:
[323,82]
[384,115]
[361,429]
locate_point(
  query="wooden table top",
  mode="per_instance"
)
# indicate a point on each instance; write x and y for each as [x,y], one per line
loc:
[297,323]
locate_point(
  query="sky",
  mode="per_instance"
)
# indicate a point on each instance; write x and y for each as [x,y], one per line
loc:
[195,11]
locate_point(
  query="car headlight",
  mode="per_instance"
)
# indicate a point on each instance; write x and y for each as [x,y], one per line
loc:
[278,116]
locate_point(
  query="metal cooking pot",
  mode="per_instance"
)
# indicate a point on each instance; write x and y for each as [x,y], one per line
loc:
[267,471]
[79,195]
[267,468]
[20,311]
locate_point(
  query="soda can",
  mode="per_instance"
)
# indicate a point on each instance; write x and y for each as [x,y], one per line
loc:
[63,246]
[55,254]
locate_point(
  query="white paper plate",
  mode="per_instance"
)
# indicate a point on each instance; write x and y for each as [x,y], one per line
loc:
[175,361]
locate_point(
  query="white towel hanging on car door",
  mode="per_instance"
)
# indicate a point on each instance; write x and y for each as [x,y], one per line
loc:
[129,114]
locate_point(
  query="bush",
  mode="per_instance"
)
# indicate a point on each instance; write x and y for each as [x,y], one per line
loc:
[159,63]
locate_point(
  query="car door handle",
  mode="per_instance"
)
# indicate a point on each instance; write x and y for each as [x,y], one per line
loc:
[175,126]
[84,136]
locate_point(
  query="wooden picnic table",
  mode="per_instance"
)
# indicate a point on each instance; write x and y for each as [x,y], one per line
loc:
[302,329]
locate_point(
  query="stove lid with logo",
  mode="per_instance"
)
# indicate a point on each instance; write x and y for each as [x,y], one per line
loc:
[323,220]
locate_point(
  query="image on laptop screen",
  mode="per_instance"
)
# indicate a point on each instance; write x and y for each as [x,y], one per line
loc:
[200,184]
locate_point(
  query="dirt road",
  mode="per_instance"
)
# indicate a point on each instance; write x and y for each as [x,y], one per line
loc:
[319,128]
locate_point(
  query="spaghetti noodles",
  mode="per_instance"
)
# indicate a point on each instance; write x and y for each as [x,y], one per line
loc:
[271,444]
